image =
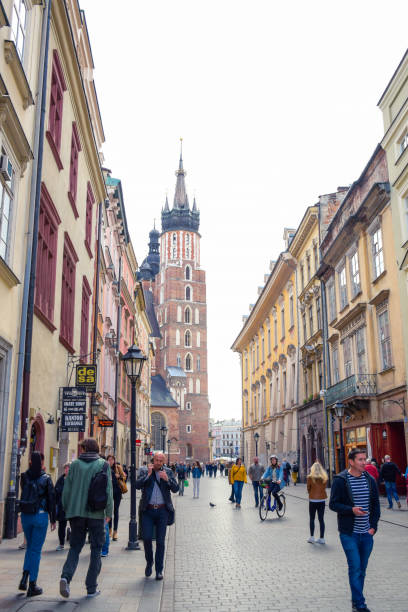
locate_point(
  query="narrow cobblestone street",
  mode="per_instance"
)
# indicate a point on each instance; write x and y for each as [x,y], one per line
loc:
[227,559]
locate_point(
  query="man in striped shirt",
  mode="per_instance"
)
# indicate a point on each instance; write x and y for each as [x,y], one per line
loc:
[354,496]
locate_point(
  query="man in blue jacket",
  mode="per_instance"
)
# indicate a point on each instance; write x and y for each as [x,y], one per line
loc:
[354,496]
[157,509]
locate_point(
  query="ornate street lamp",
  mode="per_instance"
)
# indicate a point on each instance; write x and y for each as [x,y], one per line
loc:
[339,411]
[164,431]
[256,438]
[134,360]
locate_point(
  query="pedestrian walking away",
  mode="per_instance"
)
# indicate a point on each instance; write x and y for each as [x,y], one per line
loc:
[316,487]
[238,477]
[255,473]
[61,518]
[118,487]
[354,496]
[388,474]
[36,504]
[228,473]
[371,469]
[88,503]
[286,471]
[196,480]
[295,473]
[274,476]
[181,476]
[157,510]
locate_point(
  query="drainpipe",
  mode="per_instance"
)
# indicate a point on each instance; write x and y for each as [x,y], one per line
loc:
[96,303]
[27,307]
[118,326]
[326,377]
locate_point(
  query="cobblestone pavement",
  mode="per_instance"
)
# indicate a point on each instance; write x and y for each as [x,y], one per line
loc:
[123,585]
[225,559]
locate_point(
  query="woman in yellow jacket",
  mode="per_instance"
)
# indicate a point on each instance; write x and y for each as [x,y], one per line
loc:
[238,477]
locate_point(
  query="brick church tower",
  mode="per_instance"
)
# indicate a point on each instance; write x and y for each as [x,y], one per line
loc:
[179,290]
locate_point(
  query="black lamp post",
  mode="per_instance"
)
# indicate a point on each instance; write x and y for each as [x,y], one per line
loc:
[256,438]
[164,431]
[339,410]
[168,452]
[134,360]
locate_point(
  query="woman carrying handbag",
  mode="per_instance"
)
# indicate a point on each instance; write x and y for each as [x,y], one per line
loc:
[119,487]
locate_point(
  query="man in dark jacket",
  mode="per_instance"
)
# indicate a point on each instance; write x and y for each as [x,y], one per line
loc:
[181,476]
[61,518]
[157,509]
[354,496]
[388,474]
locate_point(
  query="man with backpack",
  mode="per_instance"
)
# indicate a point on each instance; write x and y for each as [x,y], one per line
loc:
[88,503]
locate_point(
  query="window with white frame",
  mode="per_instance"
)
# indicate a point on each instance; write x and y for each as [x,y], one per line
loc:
[6,204]
[19,26]
[177,337]
[198,364]
[355,274]
[178,314]
[283,322]
[198,385]
[189,362]
[198,339]
[403,143]
[197,316]
[188,405]
[311,326]
[291,311]
[187,246]
[343,287]
[318,313]
[178,360]
[188,428]
[269,341]
[377,251]
[263,347]
[335,364]
[331,291]
[188,273]
[348,356]
[275,331]
[187,315]
[188,294]
[304,327]
[361,352]
[187,338]
[384,340]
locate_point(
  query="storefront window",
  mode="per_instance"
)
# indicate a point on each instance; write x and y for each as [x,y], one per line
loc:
[361,435]
[350,436]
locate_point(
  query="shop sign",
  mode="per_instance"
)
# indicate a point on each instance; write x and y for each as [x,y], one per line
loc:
[73,422]
[86,375]
[105,423]
[73,400]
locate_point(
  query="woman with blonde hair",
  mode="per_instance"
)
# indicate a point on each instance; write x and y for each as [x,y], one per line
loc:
[316,487]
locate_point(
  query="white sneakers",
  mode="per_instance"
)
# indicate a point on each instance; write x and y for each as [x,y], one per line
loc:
[60,547]
[312,540]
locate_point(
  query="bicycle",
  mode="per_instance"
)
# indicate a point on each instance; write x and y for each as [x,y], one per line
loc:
[265,503]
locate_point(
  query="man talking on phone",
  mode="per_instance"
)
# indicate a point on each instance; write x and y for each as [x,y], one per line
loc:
[157,509]
[354,496]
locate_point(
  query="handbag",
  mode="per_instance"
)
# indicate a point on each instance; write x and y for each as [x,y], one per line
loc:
[171,517]
[186,483]
[122,485]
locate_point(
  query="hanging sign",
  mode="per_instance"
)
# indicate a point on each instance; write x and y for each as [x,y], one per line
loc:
[86,376]
[73,400]
[73,422]
[105,423]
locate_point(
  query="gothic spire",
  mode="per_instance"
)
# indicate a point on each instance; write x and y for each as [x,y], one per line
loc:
[180,196]
[166,205]
[194,205]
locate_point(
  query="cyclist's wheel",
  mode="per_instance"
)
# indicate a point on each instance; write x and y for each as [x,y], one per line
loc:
[263,507]
[282,511]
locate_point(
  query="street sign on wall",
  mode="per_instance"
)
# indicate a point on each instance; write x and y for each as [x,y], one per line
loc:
[73,400]
[105,423]
[138,442]
[85,376]
[72,422]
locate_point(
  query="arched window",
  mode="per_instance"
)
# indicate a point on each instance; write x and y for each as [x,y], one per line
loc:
[197,316]
[158,421]
[178,360]
[190,386]
[198,364]
[188,293]
[189,362]
[188,273]
[188,405]
[187,338]
[187,315]
[178,314]
[174,238]
[198,339]
[198,385]
[187,245]
[177,337]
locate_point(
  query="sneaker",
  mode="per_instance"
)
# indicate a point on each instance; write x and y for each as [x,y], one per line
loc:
[94,594]
[399,504]
[311,540]
[22,546]
[321,541]
[60,547]
[104,554]
[64,587]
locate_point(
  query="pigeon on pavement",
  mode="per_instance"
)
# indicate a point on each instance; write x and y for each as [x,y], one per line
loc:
[212,505]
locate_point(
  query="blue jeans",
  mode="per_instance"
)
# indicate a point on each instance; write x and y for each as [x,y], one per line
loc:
[238,484]
[391,490]
[105,547]
[154,518]
[357,548]
[35,529]
[257,491]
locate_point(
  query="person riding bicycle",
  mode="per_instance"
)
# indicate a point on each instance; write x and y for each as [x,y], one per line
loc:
[274,475]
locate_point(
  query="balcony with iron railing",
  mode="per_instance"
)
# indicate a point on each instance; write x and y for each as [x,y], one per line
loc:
[357,385]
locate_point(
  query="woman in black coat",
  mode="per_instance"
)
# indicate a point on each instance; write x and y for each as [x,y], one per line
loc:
[62,521]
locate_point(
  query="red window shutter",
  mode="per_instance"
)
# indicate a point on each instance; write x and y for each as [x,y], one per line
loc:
[70,259]
[88,219]
[86,292]
[73,168]
[46,256]
[58,87]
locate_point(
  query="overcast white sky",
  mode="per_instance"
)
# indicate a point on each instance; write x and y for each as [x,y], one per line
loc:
[276,102]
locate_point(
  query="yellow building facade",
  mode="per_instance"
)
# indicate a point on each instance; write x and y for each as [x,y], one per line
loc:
[267,345]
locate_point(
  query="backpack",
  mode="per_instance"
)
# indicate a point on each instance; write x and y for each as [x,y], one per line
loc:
[30,498]
[97,492]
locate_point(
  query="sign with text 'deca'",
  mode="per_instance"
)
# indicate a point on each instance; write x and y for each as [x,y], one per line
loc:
[86,376]
[73,400]
[73,422]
